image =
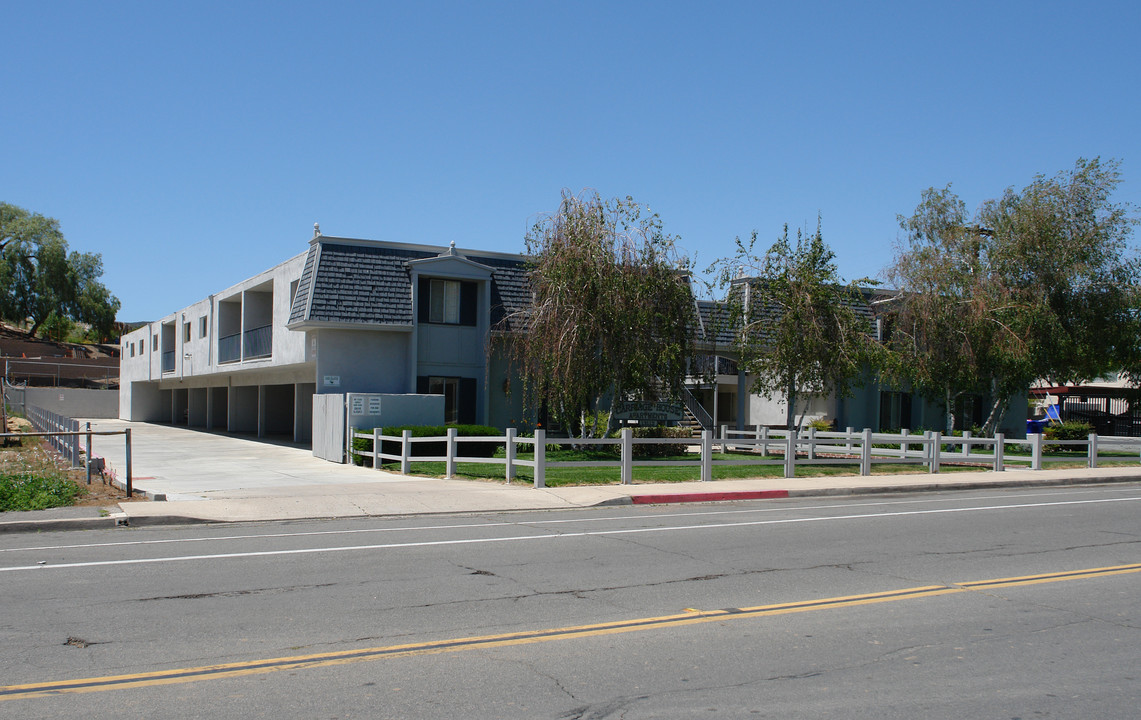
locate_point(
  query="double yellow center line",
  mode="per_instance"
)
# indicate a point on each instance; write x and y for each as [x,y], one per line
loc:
[691,617]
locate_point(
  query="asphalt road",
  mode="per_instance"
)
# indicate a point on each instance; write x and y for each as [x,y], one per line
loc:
[1013,604]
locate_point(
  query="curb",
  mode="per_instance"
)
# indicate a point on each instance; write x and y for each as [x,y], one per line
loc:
[122,520]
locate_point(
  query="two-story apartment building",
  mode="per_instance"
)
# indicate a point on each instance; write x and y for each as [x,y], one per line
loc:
[347,316]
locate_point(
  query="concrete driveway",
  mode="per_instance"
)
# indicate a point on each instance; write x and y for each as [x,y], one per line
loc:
[185,463]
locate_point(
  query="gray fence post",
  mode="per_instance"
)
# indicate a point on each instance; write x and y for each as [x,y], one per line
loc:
[540,458]
[130,488]
[966,443]
[905,432]
[1035,451]
[1092,451]
[405,452]
[450,461]
[90,457]
[765,440]
[376,462]
[724,439]
[999,452]
[706,455]
[866,453]
[811,442]
[850,432]
[790,455]
[509,472]
[936,440]
[628,455]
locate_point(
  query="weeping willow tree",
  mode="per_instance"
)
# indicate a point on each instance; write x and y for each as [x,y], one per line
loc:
[612,310]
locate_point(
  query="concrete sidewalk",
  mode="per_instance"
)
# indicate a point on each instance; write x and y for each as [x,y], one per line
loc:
[208,477]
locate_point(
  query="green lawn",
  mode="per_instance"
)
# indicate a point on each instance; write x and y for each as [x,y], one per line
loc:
[562,476]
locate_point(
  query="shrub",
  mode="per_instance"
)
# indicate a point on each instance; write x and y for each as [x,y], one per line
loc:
[664,449]
[821,425]
[1069,430]
[437,449]
[36,490]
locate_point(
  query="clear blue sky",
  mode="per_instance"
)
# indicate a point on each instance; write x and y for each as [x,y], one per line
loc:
[194,144]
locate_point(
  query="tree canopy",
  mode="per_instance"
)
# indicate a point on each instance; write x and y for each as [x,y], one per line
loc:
[39,278]
[613,311]
[1039,284]
[796,324]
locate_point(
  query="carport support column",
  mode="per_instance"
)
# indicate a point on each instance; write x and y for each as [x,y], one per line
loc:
[261,411]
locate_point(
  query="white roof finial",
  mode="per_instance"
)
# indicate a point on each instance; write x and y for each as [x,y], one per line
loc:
[452,248]
[316,230]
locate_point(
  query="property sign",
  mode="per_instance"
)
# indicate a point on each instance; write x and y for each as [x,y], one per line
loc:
[647,411]
[332,381]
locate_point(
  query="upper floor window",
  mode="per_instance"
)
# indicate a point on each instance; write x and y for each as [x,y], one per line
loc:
[202,326]
[448,302]
[185,332]
[444,302]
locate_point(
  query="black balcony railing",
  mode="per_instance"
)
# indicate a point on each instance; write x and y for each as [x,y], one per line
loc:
[258,342]
[230,348]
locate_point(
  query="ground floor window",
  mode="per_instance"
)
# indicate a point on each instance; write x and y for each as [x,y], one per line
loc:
[459,396]
[895,411]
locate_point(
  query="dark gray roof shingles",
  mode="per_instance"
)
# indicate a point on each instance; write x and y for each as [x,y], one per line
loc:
[371,284]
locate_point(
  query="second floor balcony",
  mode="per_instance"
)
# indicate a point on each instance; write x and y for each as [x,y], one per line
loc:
[248,345]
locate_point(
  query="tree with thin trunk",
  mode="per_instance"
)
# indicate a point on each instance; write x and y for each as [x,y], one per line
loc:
[1040,284]
[612,310]
[799,330]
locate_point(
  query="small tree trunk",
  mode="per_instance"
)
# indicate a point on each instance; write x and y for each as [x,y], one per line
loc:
[998,407]
[949,415]
[790,421]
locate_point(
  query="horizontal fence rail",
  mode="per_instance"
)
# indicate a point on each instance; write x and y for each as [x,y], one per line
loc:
[789,449]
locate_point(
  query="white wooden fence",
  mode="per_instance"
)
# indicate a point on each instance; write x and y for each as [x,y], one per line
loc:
[931,449]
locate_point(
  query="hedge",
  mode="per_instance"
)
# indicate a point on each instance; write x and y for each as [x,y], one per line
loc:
[663,449]
[428,449]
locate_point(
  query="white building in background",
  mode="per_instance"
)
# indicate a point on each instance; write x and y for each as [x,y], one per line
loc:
[347,316]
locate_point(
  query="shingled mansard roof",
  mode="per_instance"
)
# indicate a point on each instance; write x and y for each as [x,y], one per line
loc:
[717,327]
[367,283]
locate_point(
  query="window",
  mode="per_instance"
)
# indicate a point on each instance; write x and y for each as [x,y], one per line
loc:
[154,345]
[447,302]
[444,302]
[459,396]
[202,326]
[450,389]
[132,349]
[185,332]
[895,411]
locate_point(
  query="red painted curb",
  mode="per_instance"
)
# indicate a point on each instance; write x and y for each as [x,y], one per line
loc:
[708,497]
